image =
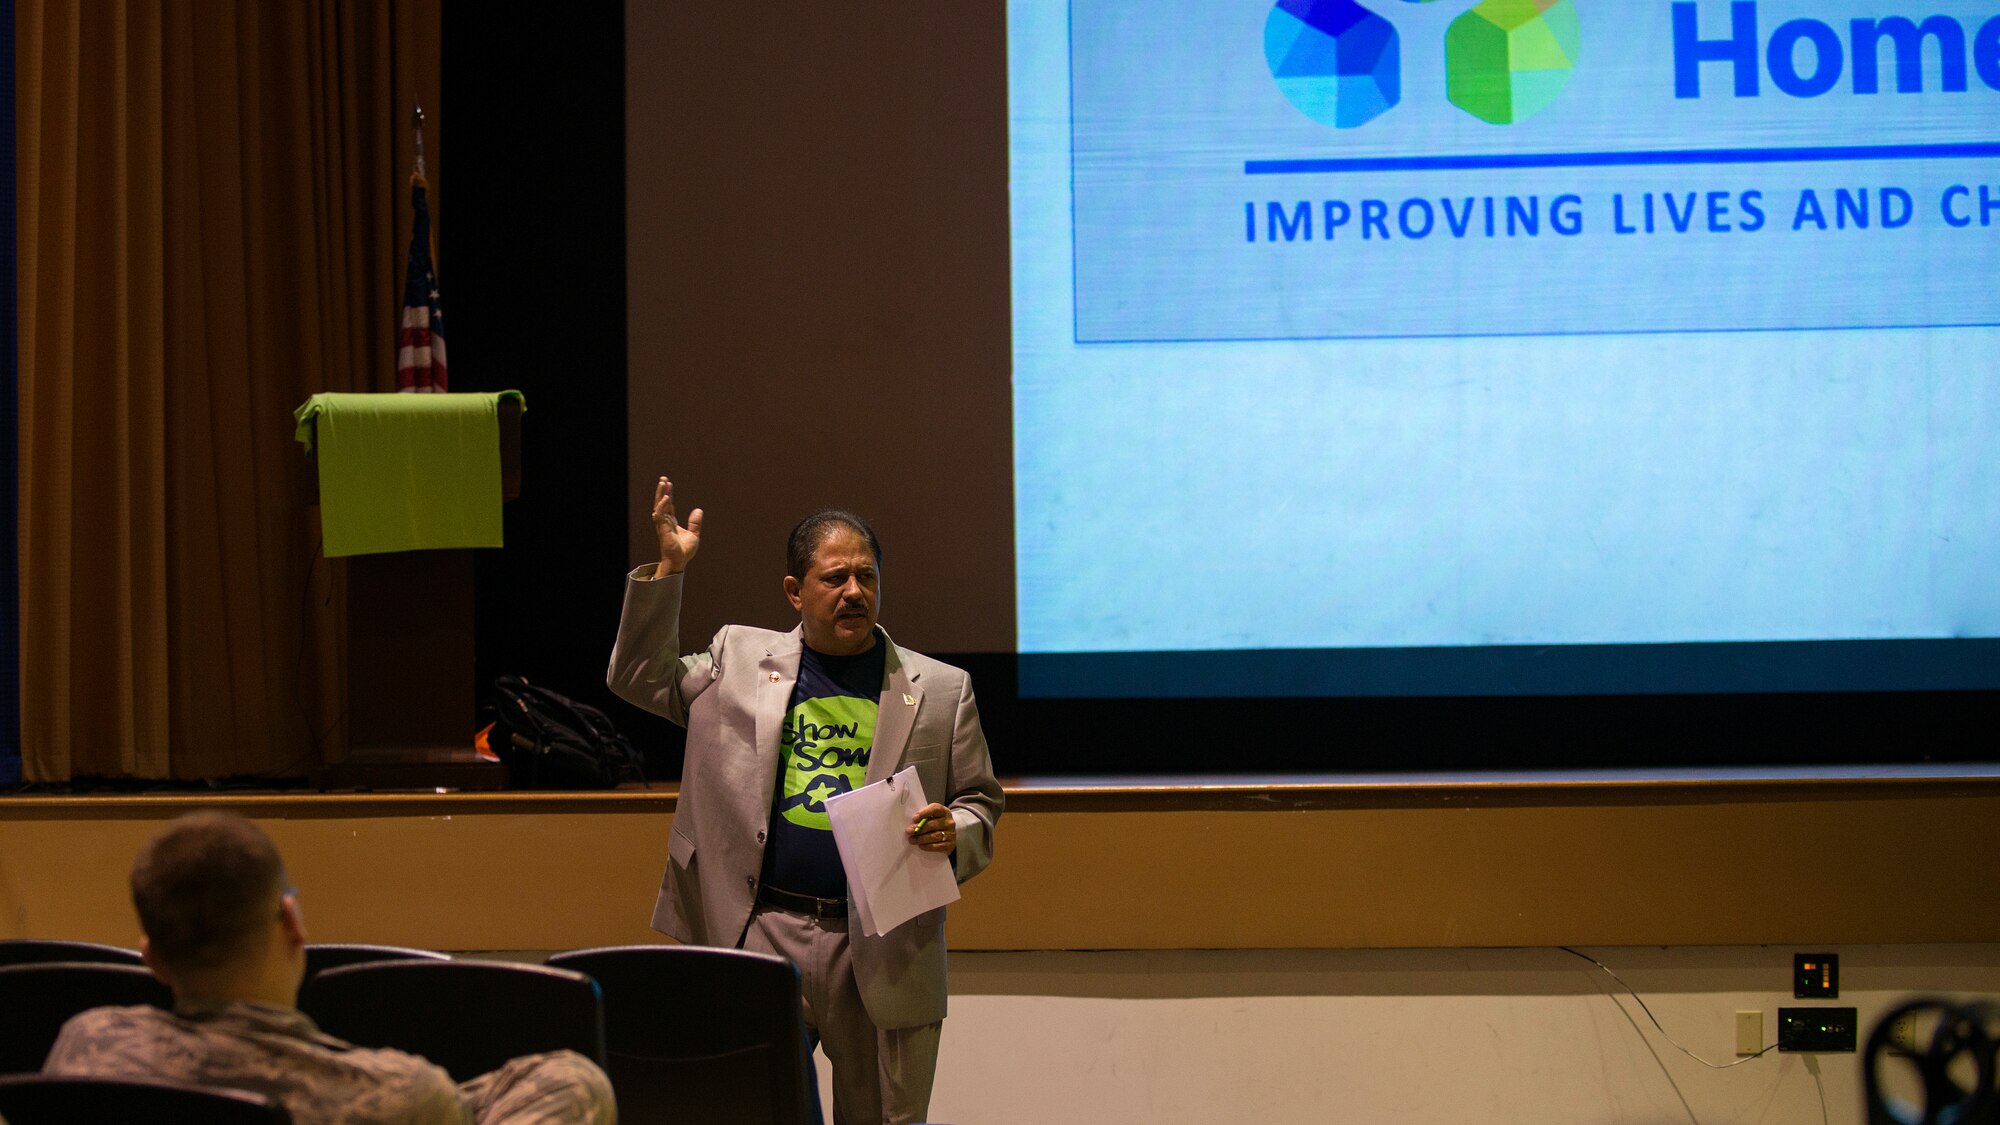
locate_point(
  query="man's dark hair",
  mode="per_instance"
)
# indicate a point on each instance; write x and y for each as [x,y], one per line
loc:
[805,540]
[204,887]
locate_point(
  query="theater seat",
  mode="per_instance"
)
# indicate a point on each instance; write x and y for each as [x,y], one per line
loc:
[468,1017]
[36,951]
[39,999]
[27,1099]
[322,956]
[701,1034]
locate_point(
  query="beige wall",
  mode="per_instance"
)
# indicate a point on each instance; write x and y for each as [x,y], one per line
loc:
[1407,1037]
[1384,867]
[1685,890]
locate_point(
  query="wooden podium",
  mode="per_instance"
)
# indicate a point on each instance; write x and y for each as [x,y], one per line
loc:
[411,696]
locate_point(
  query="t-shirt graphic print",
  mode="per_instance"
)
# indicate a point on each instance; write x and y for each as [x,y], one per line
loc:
[823,752]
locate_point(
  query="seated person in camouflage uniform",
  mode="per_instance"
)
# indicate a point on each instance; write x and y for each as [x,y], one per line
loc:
[222,929]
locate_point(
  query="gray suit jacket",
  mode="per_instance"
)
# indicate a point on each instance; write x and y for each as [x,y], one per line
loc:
[732,699]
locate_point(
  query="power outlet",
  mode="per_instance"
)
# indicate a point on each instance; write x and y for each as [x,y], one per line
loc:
[1816,1029]
[1903,1036]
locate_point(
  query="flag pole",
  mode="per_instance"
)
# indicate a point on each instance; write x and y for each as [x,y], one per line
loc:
[418,177]
[417,112]
[420,354]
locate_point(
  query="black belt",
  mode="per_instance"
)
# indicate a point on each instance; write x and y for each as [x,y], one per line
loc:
[792,902]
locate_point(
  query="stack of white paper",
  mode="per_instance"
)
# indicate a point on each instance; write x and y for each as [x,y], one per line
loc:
[890,879]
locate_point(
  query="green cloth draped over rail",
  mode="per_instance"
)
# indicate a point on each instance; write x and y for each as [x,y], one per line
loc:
[403,472]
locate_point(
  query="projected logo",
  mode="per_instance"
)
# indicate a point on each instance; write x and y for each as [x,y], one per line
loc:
[1340,63]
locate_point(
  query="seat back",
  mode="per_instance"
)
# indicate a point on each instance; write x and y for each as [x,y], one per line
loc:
[37,951]
[30,1099]
[39,999]
[468,1017]
[322,956]
[702,1034]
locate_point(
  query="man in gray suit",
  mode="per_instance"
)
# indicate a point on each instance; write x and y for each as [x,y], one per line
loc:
[777,723]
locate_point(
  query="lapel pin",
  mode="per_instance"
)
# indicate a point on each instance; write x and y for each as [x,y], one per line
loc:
[774,677]
[909,700]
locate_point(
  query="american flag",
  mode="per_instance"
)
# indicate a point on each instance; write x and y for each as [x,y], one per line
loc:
[420,365]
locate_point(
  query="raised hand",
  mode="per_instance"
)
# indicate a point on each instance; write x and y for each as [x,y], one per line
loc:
[677,543]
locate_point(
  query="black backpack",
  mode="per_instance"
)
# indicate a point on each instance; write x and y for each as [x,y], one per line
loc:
[550,741]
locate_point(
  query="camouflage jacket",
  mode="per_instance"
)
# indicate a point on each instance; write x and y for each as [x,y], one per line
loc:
[280,1053]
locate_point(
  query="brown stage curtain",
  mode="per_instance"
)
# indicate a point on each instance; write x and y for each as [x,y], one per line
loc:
[213,208]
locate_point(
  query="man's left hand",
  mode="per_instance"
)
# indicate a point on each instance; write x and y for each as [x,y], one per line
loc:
[933,829]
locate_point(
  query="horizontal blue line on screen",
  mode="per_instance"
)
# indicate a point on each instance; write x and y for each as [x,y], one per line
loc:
[1641,158]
